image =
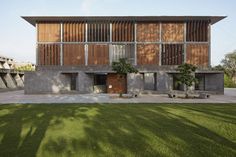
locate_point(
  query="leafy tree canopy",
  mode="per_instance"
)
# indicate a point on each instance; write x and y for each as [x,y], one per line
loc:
[186,74]
[123,67]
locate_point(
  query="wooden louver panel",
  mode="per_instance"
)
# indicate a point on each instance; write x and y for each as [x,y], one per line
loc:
[74,32]
[197,54]
[98,54]
[49,32]
[73,54]
[148,32]
[172,54]
[98,32]
[148,54]
[197,31]
[49,54]
[172,32]
[122,31]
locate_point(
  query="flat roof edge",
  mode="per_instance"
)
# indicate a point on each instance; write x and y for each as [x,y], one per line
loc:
[34,19]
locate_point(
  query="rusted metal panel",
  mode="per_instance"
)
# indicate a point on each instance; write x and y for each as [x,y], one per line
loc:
[148,54]
[197,54]
[172,32]
[73,54]
[148,32]
[116,83]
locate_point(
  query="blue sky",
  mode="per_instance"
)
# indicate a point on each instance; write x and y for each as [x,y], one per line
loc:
[18,38]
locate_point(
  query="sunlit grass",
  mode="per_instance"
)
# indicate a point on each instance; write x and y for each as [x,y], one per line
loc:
[47,130]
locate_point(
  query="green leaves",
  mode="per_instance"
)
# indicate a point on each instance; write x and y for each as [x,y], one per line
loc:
[122,67]
[186,74]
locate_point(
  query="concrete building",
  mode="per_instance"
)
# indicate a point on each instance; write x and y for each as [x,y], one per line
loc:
[9,77]
[76,53]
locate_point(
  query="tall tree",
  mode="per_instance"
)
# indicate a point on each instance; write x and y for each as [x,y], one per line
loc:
[229,64]
[187,76]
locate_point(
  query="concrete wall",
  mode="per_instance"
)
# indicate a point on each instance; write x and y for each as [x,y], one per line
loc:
[46,82]
[135,83]
[18,80]
[164,82]
[2,84]
[10,82]
[214,82]
[85,82]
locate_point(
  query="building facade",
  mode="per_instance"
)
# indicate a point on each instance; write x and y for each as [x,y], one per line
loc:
[76,53]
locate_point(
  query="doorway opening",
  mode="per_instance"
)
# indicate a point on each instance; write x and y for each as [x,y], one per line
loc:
[100,83]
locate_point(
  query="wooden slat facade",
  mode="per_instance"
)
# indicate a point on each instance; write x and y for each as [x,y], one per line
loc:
[49,32]
[197,54]
[172,54]
[99,32]
[148,54]
[197,31]
[49,54]
[148,32]
[74,32]
[122,31]
[98,54]
[73,54]
[172,32]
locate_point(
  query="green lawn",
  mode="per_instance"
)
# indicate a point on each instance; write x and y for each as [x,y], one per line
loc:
[168,130]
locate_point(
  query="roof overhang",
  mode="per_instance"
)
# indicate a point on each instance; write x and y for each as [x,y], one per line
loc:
[35,19]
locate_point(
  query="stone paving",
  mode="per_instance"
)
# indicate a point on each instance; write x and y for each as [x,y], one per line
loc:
[19,97]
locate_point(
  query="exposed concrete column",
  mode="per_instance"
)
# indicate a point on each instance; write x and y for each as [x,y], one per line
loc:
[2,84]
[135,83]
[18,80]
[1,66]
[135,43]
[5,65]
[22,78]
[85,82]
[164,82]
[9,80]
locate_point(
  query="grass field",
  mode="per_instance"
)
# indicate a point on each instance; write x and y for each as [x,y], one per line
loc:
[140,130]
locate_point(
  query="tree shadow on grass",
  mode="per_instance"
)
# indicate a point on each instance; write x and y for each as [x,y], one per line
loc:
[115,130]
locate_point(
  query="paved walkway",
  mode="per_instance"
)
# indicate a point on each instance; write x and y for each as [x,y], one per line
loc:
[19,97]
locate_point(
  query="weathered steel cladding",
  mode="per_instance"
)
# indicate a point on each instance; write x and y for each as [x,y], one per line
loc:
[197,54]
[148,32]
[148,54]
[73,54]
